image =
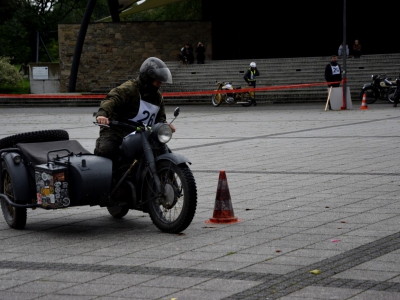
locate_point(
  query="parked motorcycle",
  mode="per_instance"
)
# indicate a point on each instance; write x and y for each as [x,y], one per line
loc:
[44,169]
[377,89]
[395,93]
[243,98]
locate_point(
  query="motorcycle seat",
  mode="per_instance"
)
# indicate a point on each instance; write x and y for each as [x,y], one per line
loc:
[36,153]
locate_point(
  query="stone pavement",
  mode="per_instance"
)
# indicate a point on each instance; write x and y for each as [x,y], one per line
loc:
[315,189]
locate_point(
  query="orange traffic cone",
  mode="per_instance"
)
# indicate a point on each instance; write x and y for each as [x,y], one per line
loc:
[223,210]
[364,102]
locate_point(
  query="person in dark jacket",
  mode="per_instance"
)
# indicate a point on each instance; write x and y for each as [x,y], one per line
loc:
[200,50]
[137,100]
[250,78]
[333,73]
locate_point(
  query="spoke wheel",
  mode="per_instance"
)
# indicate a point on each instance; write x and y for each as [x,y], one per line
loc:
[216,99]
[174,211]
[246,98]
[14,216]
[392,94]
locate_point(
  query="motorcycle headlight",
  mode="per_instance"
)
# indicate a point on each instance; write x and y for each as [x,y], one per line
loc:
[163,132]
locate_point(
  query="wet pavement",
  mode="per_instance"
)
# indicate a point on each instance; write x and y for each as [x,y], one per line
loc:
[315,192]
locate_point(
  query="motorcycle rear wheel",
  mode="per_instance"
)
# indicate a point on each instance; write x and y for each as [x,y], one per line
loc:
[246,98]
[14,216]
[371,95]
[175,212]
[392,94]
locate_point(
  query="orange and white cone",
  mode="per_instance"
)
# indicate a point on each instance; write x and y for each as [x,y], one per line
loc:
[223,210]
[364,102]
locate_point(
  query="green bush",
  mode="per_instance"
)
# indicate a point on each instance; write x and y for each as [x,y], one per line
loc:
[8,73]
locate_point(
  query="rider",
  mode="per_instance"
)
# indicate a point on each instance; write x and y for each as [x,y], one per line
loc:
[250,78]
[137,100]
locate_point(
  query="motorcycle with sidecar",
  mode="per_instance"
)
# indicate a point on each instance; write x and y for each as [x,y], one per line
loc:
[45,169]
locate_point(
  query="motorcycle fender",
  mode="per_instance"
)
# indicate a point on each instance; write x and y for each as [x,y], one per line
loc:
[173,157]
[19,177]
[367,85]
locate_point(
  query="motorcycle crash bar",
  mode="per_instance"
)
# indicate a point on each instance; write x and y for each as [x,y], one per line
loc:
[4,197]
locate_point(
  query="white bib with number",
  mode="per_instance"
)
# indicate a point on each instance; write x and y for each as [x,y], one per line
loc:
[147,113]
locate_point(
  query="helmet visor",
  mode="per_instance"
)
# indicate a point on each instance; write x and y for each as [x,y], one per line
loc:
[161,74]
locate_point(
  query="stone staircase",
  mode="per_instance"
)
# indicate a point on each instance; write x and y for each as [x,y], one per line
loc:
[278,72]
[274,72]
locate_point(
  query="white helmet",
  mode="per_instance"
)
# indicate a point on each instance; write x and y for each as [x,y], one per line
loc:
[253,64]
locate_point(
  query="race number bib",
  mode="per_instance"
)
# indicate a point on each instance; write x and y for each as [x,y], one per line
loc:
[147,113]
[335,70]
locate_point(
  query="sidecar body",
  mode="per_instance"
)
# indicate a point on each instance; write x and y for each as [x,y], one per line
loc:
[52,175]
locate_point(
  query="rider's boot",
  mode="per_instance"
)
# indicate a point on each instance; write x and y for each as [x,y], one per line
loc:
[253,101]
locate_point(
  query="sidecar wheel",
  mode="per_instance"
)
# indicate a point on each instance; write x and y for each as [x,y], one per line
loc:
[246,98]
[34,137]
[14,216]
[175,212]
[118,212]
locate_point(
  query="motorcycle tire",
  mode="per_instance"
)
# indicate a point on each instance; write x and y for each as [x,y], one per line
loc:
[217,99]
[118,212]
[175,212]
[371,95]
[392,94]
[34,137]
[246,98]
[14,216]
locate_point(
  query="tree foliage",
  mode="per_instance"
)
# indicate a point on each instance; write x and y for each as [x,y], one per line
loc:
[179,11]
[8,73]
[22,20]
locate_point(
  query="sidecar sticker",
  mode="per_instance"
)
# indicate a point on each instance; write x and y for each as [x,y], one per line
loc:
[44,176]
[39,198]
[66,202]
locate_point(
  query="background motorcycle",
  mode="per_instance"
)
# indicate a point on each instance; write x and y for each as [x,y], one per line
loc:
[395,94]
[44,169]
[377,89]
[230,98]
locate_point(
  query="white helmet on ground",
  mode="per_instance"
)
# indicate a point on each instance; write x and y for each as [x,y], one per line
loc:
[253,64]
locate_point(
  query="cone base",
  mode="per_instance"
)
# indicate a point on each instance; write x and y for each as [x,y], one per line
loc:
[224,220]
[364,108]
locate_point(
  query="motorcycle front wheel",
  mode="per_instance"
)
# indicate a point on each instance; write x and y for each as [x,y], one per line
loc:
[392,94]
[217,99]
[14,216]
[173,212]
[371,95]
[246,98]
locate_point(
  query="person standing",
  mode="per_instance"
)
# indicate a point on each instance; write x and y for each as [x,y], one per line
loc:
[357,49]
[333,73]
[250,78]
[200,50]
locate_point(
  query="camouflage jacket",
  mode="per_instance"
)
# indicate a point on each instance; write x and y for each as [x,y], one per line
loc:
[123,102]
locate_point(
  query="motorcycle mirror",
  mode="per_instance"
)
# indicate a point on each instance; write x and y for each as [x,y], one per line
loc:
[176,112]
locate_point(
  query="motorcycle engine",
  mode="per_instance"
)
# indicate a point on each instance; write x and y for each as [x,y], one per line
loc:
[230,100]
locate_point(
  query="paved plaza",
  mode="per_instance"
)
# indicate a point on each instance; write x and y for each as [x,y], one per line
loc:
[316,192]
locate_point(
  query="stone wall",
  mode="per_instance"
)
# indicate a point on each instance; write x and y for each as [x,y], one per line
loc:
[113,52]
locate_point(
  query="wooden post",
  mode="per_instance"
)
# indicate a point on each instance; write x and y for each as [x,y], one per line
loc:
[329,96]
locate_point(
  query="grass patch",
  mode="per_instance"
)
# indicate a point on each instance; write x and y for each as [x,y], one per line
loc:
[21,88]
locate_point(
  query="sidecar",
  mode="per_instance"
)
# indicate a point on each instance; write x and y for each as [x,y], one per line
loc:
[49,171]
